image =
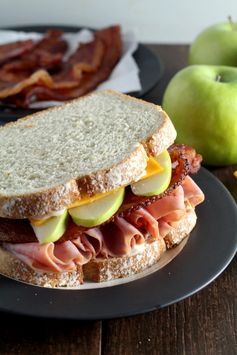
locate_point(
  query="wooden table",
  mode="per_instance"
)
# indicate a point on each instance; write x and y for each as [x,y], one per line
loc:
[204,323]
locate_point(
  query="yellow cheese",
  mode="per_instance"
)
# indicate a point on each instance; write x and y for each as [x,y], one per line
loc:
[39,222]
[153,167]
[88,199]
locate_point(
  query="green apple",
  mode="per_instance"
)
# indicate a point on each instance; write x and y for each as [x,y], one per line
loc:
[98,211]
[201,100]
[52,229]
[216,45]
[158,183]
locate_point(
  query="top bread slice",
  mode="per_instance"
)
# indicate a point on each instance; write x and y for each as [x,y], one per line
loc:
[96,143]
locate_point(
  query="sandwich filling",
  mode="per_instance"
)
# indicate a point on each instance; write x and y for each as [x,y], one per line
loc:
[136,219]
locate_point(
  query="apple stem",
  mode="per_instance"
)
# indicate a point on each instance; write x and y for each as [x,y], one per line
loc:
[218,77]
[231,22]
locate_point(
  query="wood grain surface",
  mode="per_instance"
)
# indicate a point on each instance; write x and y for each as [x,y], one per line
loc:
[203,324]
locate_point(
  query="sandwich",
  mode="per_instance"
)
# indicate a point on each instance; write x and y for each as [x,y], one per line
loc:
[93,190]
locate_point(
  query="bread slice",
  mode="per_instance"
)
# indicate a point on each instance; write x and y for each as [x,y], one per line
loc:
[92,144]
[16,269]
[99,270]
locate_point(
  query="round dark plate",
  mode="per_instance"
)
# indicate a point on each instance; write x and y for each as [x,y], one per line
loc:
[210,248]
[150,66]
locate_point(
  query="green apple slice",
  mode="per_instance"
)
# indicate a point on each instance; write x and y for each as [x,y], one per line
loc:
[52,229]
[97,212]
[157,183]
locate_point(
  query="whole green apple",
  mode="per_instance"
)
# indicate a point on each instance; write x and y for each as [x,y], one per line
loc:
[216,45]
[201,100]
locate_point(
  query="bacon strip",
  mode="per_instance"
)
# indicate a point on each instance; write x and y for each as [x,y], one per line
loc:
[16,231]
[45,54]
[39,77]
[111,39]
[12,50]
[47,257]
[91,64]
[30,69]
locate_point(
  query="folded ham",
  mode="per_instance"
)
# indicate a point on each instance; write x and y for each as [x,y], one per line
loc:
[116,238]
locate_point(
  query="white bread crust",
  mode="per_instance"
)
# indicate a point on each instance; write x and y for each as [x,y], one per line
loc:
[16,269]
[48,199]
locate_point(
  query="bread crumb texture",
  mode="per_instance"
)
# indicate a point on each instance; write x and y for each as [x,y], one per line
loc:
[73,140]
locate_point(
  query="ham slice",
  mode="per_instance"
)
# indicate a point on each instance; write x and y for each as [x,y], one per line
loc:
[120,236]
[143,219]
[48,257]
[95,237]
[113,239]
[192,192]
[172,206]
[65,256]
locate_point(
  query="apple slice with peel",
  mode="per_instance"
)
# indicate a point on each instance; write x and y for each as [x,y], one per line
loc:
[94,213]
[157,183]
[52,229]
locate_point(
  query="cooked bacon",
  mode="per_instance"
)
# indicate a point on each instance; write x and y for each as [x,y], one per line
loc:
[30,69]
[39,77]
[16,231]
[12,50]
[193,159]
[46,54]
[173,202]
[87,58]
[91,64]
[111,39]
[72,231]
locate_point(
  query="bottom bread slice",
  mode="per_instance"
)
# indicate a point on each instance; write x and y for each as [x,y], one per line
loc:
[16,269]
[99,270]
[113,268]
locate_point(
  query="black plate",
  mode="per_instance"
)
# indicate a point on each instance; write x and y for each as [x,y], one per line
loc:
[209,250]
[150,66]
